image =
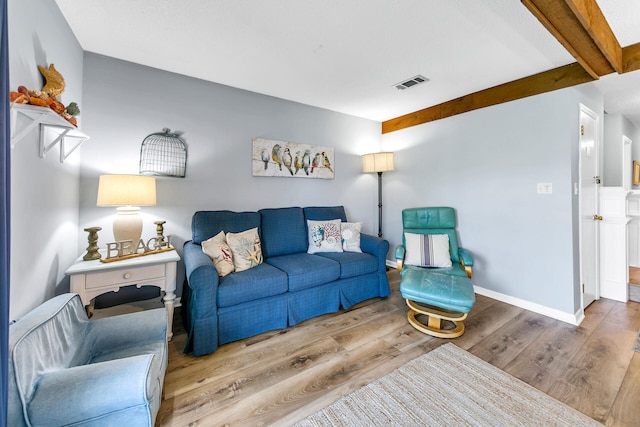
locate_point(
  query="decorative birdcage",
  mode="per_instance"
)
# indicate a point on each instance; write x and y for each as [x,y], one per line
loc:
[163,153]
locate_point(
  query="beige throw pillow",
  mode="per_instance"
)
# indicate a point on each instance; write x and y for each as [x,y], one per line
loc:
[247,252]
[220,252]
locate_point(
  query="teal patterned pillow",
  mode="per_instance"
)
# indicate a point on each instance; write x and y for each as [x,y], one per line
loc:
[324,236]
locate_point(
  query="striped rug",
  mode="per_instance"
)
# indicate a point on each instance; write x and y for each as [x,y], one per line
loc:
[448,387]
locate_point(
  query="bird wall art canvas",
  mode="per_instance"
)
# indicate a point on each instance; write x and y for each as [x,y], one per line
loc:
[291,160]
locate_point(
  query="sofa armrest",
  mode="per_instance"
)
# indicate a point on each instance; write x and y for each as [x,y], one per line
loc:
[400,252]
[199,269]
[376,246]
[86,392]
[129,329]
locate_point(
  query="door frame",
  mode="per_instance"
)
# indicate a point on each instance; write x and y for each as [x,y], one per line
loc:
[583,109]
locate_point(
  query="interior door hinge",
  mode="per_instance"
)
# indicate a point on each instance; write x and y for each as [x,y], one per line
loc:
[583,288]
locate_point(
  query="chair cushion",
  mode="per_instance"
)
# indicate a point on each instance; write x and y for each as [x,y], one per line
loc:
[258,282]
[353,263]
[445,291]
[305,270]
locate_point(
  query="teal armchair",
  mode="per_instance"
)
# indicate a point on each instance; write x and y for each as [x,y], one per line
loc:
[436,272]
[435,220]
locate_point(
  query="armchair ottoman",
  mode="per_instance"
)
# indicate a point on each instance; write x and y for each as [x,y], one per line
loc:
[439,296]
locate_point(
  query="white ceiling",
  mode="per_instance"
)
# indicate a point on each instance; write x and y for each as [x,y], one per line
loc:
[345,55]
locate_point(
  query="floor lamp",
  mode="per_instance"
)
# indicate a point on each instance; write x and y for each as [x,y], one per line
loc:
[378,162]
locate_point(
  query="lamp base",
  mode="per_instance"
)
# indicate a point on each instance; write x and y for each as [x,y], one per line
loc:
[127,225]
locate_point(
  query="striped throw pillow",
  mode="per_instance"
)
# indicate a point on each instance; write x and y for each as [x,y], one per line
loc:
[427,250]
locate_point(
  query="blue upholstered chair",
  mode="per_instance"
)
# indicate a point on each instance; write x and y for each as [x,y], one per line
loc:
[67,370]
[435,271]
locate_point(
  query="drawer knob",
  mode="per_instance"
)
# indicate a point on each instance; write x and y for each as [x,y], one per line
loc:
[127,275]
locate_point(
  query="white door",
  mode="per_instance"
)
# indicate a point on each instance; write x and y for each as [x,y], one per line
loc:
[589,219]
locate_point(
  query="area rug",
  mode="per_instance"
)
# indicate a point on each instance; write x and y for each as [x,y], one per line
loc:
[448,387]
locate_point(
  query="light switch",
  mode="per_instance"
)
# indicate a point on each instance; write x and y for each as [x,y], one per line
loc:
[545,188]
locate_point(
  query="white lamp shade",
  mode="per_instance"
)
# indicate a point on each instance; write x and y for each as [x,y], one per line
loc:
[126,190]
[377,162]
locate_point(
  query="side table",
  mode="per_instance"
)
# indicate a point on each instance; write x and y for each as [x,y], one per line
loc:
[92,278]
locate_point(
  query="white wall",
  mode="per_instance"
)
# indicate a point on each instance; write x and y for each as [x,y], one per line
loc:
[486,165]
[44,192]
[125,102]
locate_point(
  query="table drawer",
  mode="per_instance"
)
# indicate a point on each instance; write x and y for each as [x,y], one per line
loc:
[130,276]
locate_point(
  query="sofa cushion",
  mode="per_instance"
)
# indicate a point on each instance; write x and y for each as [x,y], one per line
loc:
[258,282]
[353,263]
[321,213]
[283,231]
[305,270]
[206,224]
[324,236]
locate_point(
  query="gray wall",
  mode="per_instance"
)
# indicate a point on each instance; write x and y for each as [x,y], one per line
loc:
[486,165]
[44,192]
[124,102]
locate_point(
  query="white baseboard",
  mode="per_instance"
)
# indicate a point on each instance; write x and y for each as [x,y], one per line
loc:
[573,319]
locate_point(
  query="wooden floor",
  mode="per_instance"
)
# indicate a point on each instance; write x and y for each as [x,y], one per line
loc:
[280,377]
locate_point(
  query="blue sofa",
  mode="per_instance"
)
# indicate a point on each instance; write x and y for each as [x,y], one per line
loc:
[67,370]
[289,287]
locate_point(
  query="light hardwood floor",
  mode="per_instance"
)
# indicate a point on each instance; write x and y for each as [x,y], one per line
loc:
[280,377]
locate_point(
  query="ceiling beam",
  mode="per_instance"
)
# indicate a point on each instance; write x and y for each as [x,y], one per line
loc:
[573,30]
[580,27]
[557,78]
[631,58]
[590,16]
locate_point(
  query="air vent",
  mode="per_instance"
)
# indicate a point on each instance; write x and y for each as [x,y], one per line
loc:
[413,81]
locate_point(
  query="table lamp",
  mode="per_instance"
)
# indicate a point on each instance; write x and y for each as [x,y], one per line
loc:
[127,192]
[378,162]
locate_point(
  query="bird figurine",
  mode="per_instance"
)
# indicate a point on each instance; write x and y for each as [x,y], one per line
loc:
[325,161]
[276,155]
[54,82]
[316,161]
[306,161]
[287,160]
[298,161]
[264,155]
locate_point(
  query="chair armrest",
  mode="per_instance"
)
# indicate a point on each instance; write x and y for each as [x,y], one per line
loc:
[465,256]
[376,246]
[400,252]
[130,329]
[86,392]
[466,260]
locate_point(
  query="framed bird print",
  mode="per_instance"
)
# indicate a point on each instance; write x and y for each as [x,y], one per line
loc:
[291,160]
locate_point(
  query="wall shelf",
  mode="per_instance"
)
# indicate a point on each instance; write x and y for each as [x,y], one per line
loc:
[25,118]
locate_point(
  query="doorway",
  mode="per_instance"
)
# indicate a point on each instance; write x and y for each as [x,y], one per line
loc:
[588,205]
